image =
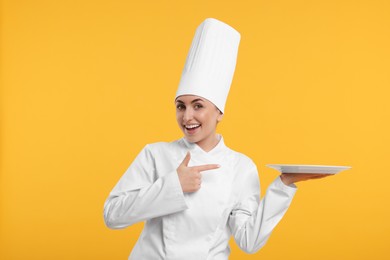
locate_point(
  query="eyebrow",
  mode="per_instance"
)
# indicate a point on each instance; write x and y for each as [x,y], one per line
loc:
[193,101]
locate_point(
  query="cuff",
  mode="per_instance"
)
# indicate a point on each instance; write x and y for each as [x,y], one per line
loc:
[172,179]
[290,189]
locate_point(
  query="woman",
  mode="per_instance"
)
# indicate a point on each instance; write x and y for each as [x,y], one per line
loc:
[195,193]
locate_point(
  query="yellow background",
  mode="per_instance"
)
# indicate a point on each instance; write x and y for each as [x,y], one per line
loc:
[86,84]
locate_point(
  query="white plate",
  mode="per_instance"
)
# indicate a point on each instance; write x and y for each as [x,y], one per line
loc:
[315,169]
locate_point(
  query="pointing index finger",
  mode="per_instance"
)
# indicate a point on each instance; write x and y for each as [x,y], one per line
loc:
[207,167]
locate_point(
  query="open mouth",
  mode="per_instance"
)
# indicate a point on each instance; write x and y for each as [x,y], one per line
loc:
[191,128]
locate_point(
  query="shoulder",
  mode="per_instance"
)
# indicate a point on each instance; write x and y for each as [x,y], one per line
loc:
[162,146]
[241,160]
[245,172]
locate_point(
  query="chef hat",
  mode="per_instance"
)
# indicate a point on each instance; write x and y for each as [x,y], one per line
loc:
[210,64]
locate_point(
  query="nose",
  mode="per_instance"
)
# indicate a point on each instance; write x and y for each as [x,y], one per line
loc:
[188,115]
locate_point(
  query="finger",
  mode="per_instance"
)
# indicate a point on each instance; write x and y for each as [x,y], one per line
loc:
[196,174]
[186,159]
[315,177]
[309,175]
[321,176]
[206,167]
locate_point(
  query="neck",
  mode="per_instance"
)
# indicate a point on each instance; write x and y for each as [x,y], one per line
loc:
[209,143]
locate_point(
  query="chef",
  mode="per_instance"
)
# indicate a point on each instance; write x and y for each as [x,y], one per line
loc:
[195,193]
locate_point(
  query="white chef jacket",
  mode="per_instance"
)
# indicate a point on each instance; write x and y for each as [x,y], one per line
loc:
[198,225]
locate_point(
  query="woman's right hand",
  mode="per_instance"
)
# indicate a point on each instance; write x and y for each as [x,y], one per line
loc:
[290,178]
[190,177]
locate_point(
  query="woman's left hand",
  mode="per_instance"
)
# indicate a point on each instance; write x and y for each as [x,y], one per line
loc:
[290,178]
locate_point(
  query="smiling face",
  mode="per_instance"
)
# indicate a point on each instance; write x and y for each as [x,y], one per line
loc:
[198,118]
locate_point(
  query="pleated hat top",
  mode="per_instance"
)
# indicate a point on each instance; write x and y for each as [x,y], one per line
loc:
[211,61]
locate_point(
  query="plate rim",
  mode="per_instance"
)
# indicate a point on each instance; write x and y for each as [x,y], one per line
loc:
[279,167]
[309,165]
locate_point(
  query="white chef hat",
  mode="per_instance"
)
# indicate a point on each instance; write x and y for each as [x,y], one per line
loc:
[210,64]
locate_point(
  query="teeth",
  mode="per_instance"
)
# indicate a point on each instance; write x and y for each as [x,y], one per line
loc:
[191,126]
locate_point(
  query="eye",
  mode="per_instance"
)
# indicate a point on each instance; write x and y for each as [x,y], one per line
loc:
[197,106]
[180,107]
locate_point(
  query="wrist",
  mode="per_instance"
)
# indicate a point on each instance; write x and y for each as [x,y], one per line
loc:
[286,179]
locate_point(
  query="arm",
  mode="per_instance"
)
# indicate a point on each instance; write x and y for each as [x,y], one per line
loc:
[252,222]
[141,195]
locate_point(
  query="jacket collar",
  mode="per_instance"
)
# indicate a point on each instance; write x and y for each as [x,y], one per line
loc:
[193,147]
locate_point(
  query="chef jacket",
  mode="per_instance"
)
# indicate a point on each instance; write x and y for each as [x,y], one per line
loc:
[198,225]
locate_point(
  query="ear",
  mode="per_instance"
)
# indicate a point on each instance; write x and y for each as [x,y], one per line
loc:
[220,117]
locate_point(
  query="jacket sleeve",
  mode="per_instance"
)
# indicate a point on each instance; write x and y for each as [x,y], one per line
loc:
[142,194]
[252,221]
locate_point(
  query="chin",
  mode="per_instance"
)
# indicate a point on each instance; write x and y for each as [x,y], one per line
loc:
[192,139]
